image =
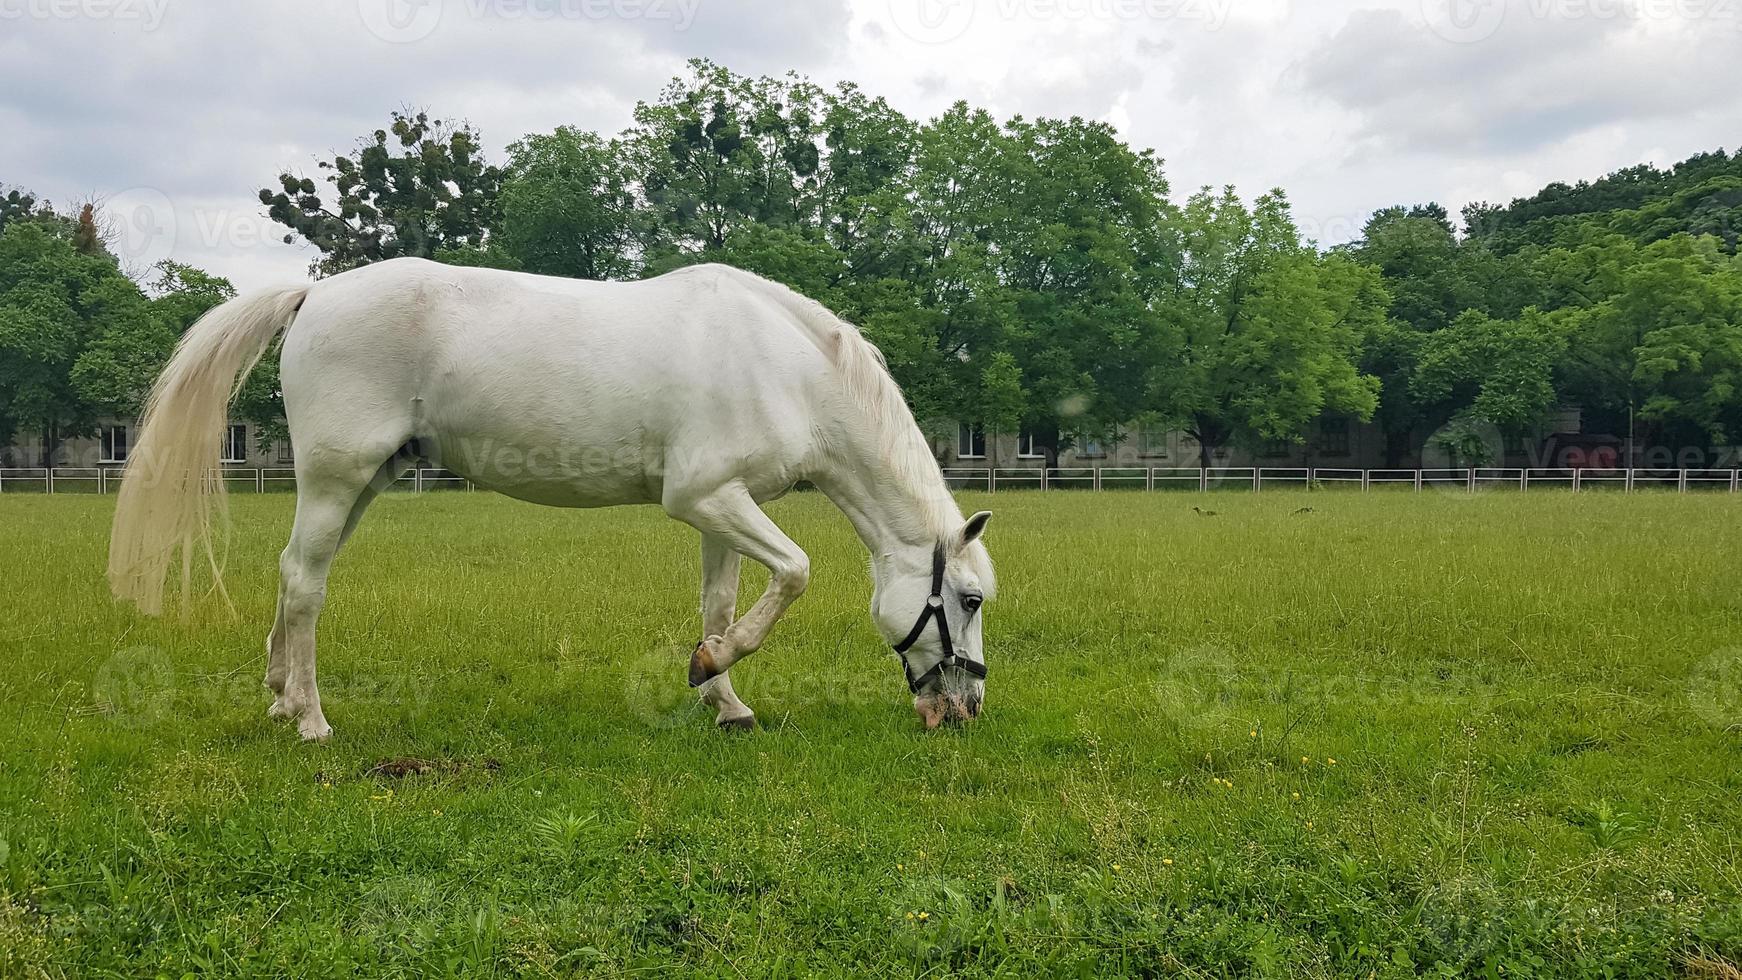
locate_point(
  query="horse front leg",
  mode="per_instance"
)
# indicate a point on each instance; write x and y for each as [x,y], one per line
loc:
[731,515]
[719,604]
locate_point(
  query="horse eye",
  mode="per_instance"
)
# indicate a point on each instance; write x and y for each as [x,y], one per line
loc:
[971,602]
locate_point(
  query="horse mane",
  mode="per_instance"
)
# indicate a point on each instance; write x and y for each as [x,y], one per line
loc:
[864,374]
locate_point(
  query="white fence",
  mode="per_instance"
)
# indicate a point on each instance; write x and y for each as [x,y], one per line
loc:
[107,479]
[104,479]
[1260,478]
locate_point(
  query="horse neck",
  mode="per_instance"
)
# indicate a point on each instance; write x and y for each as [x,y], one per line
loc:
[901,513]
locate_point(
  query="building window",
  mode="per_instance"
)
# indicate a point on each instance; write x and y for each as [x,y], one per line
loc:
[114,438]
[970,441]
[1334,437]
[1026,447]
[1275,448]
[286,454]
[1152,441]
[236,444]
[1092,449]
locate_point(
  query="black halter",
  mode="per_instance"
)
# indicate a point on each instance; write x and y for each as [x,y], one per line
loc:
[934,608]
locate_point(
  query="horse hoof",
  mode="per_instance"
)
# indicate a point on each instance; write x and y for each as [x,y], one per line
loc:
[702,669]
[320,731]
[280,710]
[743,723]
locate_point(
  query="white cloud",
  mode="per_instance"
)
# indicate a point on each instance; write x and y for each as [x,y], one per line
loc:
[1349,106]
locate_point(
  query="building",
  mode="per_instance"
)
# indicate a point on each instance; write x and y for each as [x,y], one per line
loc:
[1333,443]
[115,439]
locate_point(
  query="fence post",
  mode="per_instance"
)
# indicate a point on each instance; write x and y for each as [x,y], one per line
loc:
[1418,481]
[1149,478]
[1681,481]
[1628,485]
[1203,479]
[1470,475]
[50,472]
[1097,478]
[1366,480]
[1576,472]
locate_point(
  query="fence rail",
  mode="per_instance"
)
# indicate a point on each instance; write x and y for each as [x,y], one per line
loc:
[107,479]
[268,479]
[1260,478]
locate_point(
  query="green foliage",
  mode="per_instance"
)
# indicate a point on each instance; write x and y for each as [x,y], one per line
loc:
[1702,195]
[415,188]
[1503,370]
[1272,330]
[60,298]
[569,208]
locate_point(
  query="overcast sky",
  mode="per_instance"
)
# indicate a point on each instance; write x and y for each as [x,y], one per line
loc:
[175,112]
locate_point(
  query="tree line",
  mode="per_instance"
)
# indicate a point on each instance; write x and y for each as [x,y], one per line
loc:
[1022,274]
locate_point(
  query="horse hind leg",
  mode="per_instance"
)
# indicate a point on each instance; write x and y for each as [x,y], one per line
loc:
[277,663]
[328,508]
[720,566]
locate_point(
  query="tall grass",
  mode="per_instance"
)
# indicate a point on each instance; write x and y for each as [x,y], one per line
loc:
[1533,704]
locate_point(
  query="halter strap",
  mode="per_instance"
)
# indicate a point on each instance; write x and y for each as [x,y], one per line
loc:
[934,609]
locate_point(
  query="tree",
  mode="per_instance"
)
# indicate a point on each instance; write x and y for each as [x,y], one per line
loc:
[1503,370]
[718,152]
[1663,334]
[417,188]
[1432,279]
[569,207]
[1271,330]
[78,339]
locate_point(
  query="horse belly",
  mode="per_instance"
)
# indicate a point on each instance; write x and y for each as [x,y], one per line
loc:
[561,469]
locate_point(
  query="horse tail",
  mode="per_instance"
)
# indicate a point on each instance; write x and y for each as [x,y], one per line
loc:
[168,492]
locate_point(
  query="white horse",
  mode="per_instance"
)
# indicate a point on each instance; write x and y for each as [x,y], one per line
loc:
[708,391]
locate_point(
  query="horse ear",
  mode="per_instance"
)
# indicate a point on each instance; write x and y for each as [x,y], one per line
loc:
[976,526]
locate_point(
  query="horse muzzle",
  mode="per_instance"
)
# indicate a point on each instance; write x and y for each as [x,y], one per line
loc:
[949,706]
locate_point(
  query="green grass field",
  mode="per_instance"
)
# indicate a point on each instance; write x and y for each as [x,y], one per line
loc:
[1395,735]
